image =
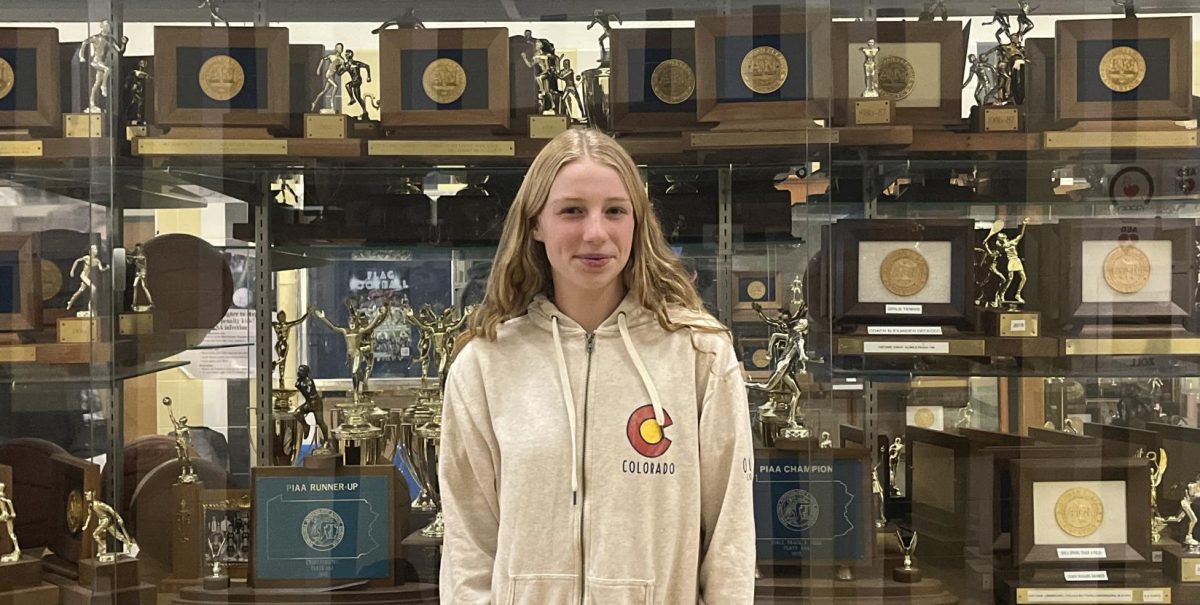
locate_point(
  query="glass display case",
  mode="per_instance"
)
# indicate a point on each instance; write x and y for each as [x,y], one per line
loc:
[955,246]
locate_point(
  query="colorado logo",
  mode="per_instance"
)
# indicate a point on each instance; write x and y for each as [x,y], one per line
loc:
[645,435]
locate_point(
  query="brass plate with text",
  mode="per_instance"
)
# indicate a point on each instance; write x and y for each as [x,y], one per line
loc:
[442,148]
[1108,139]
[21,149]
[165,146]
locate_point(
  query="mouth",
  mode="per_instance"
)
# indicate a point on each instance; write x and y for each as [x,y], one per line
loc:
[594,260]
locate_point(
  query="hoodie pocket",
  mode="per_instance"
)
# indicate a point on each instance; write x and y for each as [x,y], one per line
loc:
[535,589]
[619,592]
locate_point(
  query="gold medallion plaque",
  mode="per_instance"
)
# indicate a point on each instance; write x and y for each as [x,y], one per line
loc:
[756,290]
[1126,269]
[7,78]
[52,280]
[1079,512]
[1122,69]
[673,81]
[221,78]
[764,70]
[904,272]
[760,358]
[896,78]
[924,418]
[75,512]
[444,80]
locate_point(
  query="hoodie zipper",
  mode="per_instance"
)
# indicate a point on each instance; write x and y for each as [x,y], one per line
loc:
[591,341]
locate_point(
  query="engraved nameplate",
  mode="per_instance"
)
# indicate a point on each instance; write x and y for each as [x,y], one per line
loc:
[903,309]
[442,148]
[163,146]
[21,149]
[920,348]
[904,330]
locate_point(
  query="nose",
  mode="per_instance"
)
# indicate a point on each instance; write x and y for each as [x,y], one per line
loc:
[593,229]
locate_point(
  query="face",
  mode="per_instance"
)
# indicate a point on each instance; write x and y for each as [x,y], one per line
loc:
[587,228]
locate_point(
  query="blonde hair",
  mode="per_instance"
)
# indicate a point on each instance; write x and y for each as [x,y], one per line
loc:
[654,274]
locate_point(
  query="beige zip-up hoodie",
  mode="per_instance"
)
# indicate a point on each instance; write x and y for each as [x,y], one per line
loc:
[610,468]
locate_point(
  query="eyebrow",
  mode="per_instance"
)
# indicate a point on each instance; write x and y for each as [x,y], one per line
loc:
[579,199]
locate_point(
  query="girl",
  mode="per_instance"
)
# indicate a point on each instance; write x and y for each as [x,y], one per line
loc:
[596,445]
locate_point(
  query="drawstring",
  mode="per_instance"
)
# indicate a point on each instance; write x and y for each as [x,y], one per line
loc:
[569,401]
[637,363]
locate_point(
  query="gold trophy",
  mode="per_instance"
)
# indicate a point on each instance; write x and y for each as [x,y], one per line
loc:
[421,423]
[356,426]
[110,523]
[790,328]
[286,436]
[182,442]
[1157,462]
[996,247]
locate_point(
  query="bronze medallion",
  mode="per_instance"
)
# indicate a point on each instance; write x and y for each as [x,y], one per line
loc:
[756,290]
[1079,512]
[924,418]
[1126,269]
[75,512]
[444,81]
[764,70]
[7,78]
[673,81]
[222,78]
[1122,69]
[896,78]
[52,280]
[904,272]
[760,358]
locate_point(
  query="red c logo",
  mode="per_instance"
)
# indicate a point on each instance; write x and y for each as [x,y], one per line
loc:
[644,433]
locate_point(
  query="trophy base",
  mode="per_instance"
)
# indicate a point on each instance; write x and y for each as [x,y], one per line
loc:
[906,576]
[76,330]
[1181,565]
[997,119]
[215,582]
[322,460]
[1018,325]
[25,572]
[547,127]
[83,125]
[874,112]
[436,528]
[133,132]
[425,556]
[326,126]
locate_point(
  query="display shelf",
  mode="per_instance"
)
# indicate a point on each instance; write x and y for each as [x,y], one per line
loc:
[100,372]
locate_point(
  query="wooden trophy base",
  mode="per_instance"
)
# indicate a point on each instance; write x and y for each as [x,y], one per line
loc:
[187,561]
[991,118]
[1181,566]
[777,590]
[83,125]
[114,583]
[1019,325]
[216,583]
[326,126]
[132,132]
[547,127]
[142,323]
[239,592]
[25,572]
[874,112]
[75,330]
[425,556]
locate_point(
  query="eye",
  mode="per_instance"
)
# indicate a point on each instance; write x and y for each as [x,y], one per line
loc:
[570,210]
[618,210]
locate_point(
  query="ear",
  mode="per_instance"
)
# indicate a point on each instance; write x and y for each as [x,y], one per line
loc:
[536,232]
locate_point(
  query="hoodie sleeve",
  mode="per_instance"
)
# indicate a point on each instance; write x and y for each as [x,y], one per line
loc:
[467,478]
[727,555]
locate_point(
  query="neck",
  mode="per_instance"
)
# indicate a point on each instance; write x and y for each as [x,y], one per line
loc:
[590,308]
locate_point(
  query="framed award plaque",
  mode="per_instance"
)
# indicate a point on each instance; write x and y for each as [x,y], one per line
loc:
[444,77]
[29,68]
[919,67]
[755,357]
[20,282]
[813,507]
[222,76]
[1077,512]
[937,474]
[1125,68]
[902,271]
[926,416]
[1127,271]
[760,287]
[317,527]
[653,79]
[762,66]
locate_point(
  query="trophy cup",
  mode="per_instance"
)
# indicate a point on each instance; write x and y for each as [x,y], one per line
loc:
[356,431]
[789,330]
[217,579]
[421,427]
[907,572]
[286,434]
[596,81]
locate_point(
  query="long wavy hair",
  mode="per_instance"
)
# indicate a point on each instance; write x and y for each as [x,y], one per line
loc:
[521,270]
